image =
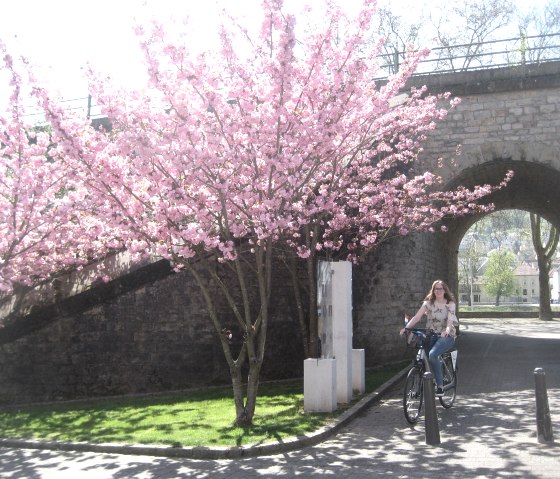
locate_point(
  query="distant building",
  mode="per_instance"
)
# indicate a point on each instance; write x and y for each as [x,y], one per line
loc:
[555,284]
[526,286]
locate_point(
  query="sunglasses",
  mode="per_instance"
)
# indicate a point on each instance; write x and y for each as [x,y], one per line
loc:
[438,289]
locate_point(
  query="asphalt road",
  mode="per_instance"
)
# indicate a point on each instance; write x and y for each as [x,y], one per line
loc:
[489,433]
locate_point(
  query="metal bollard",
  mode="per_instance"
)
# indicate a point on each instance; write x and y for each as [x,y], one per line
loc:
[431,420]
[544,424]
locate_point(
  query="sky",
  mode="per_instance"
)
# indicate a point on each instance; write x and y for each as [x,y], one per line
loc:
[61,36]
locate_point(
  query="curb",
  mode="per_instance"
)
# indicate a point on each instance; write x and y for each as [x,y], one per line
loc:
[201,452]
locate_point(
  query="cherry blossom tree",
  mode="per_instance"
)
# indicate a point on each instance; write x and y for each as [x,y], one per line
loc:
[277,143]
[44,229]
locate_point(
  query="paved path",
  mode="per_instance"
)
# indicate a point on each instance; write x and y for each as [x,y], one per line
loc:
[489,433]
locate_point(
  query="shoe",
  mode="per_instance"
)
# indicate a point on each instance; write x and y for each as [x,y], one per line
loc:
[439,391]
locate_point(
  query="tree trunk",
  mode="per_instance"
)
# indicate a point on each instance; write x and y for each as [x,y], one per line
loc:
[545,253]
[313,313]
[311,233]
[252,390]
[245,404]
[545,311]
[253,331]
[241,415]
[292,265]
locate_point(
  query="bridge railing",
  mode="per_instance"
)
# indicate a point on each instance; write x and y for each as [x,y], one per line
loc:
[516,51]
[475,56]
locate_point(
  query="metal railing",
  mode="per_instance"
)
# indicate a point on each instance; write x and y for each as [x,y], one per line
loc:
[507,52]
[502,53]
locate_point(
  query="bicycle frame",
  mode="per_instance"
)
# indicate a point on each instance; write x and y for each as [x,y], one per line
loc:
[421,356]
[414,385]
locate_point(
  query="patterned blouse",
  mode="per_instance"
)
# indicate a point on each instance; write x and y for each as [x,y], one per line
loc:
[439,317]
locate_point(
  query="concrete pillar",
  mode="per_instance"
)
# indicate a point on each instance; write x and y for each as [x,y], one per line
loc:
[334,282]
[342,328]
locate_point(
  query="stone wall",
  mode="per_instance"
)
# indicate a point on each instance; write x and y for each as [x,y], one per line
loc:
[522,126]
[391,281]
[508,118]
[154,338]
[157,336]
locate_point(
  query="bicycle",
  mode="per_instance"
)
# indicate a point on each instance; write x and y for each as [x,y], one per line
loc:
[413,395]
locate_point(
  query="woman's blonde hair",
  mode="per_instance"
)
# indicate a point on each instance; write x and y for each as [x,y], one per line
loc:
[448,295]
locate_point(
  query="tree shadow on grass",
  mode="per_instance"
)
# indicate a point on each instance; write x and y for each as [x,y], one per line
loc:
[112,421]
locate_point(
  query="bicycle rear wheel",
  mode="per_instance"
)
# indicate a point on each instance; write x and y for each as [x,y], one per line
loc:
[449,383]
[413,395]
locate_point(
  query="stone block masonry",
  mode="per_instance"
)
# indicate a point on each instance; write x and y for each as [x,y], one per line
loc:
[154,338]
[393,280]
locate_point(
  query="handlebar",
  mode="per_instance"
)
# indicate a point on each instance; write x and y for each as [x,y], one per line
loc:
[421,332]
[417,337]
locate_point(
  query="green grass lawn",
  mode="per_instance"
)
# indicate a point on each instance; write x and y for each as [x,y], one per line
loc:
[505,307]
[199,418]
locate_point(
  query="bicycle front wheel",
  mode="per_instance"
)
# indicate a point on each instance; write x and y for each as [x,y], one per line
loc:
[449,383]
[413,395]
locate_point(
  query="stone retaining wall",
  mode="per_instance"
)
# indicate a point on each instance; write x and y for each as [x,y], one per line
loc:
[156,337]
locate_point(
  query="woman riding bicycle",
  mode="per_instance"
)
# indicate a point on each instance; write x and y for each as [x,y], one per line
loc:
[439,307]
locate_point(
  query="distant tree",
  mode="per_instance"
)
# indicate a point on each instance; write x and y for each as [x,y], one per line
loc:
[545,254]
[498,279]
[462,40]
[459,32]
[537,31]
[510,229]
[504,229]
[470,261]
[398,34]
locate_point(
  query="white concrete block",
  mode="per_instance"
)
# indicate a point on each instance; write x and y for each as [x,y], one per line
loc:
[358,371]
[319,385]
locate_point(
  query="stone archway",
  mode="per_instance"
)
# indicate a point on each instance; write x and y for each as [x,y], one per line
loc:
[508,118]
[396,276]
[535,187]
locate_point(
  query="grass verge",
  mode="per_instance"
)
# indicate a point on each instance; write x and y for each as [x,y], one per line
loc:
[194,418]
[505,308]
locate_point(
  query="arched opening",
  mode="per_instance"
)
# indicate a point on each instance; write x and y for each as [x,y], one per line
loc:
[498,266]
[534,188]
[396,276]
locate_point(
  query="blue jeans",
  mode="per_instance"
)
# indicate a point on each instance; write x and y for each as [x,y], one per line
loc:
[438,348]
